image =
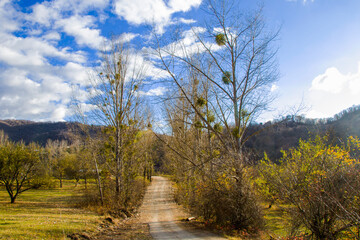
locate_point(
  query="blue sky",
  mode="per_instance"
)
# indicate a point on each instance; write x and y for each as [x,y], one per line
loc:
[47,49]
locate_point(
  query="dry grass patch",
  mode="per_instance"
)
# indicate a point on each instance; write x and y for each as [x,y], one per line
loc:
[44,214]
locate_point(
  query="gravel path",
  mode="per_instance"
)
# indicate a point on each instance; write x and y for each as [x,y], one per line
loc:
[162,214]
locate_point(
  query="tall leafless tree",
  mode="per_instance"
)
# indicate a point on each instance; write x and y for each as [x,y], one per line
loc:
[115,100]
[237,57]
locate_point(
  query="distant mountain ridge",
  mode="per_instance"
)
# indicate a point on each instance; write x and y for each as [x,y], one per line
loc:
[40,132]
[285,133]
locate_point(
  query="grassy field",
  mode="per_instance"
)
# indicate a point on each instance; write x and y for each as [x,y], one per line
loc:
[44,214]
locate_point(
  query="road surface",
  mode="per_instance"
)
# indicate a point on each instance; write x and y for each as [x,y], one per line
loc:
[163,215]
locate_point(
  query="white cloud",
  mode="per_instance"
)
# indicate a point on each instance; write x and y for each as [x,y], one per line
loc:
[68,17]
[189,44]
[76,73]
[127,37]
[183,5]
[333,91]
[186,21]
[152,11]
[48,11]
[17,51]
[44,14]
[25,98]
[59,113]
[15,58]
[331,81]
[8,17]
[52,36]
[159,91]
[274,87]
[40,93]
[138,64]
[80,28]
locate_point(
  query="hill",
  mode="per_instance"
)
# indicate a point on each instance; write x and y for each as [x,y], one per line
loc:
[285,133]
[40,132]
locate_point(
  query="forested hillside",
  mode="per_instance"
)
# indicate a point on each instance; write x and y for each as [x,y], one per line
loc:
[39,132]
[271,137]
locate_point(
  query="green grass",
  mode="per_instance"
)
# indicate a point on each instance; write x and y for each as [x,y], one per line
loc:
[277,222]
[44,214]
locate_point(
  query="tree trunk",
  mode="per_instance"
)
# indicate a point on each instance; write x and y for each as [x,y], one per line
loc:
[150,174]
[61,185]
[85,182]
[145,173]
[99,181]
[118,161]
[77,181]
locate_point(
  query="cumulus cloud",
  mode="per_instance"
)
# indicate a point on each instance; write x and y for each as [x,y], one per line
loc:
[138,64]
[333,91]
[48,11]
[8,17]
[189,44]
[76,73]
[159,91]
[52,36]
[80,28]
[331,81]
[43,14]
[24,98]
[127,37]
[152,11]
[41,93]
[68,17]
[183,5]
[18,51]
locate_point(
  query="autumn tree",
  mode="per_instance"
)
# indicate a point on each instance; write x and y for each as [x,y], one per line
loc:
[20,168]
[57,151]
[145,153]
[318,182]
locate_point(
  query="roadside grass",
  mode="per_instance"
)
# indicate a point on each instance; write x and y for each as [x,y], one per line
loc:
[277,226]
[277,222]
[45,214]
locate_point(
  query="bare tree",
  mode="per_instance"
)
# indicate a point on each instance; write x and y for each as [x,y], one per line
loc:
[235,54]
[116,103]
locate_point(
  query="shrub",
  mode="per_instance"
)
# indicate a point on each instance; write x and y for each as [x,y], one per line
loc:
[227,202]
[320,182]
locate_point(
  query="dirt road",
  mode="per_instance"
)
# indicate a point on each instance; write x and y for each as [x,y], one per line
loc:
[163,215]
